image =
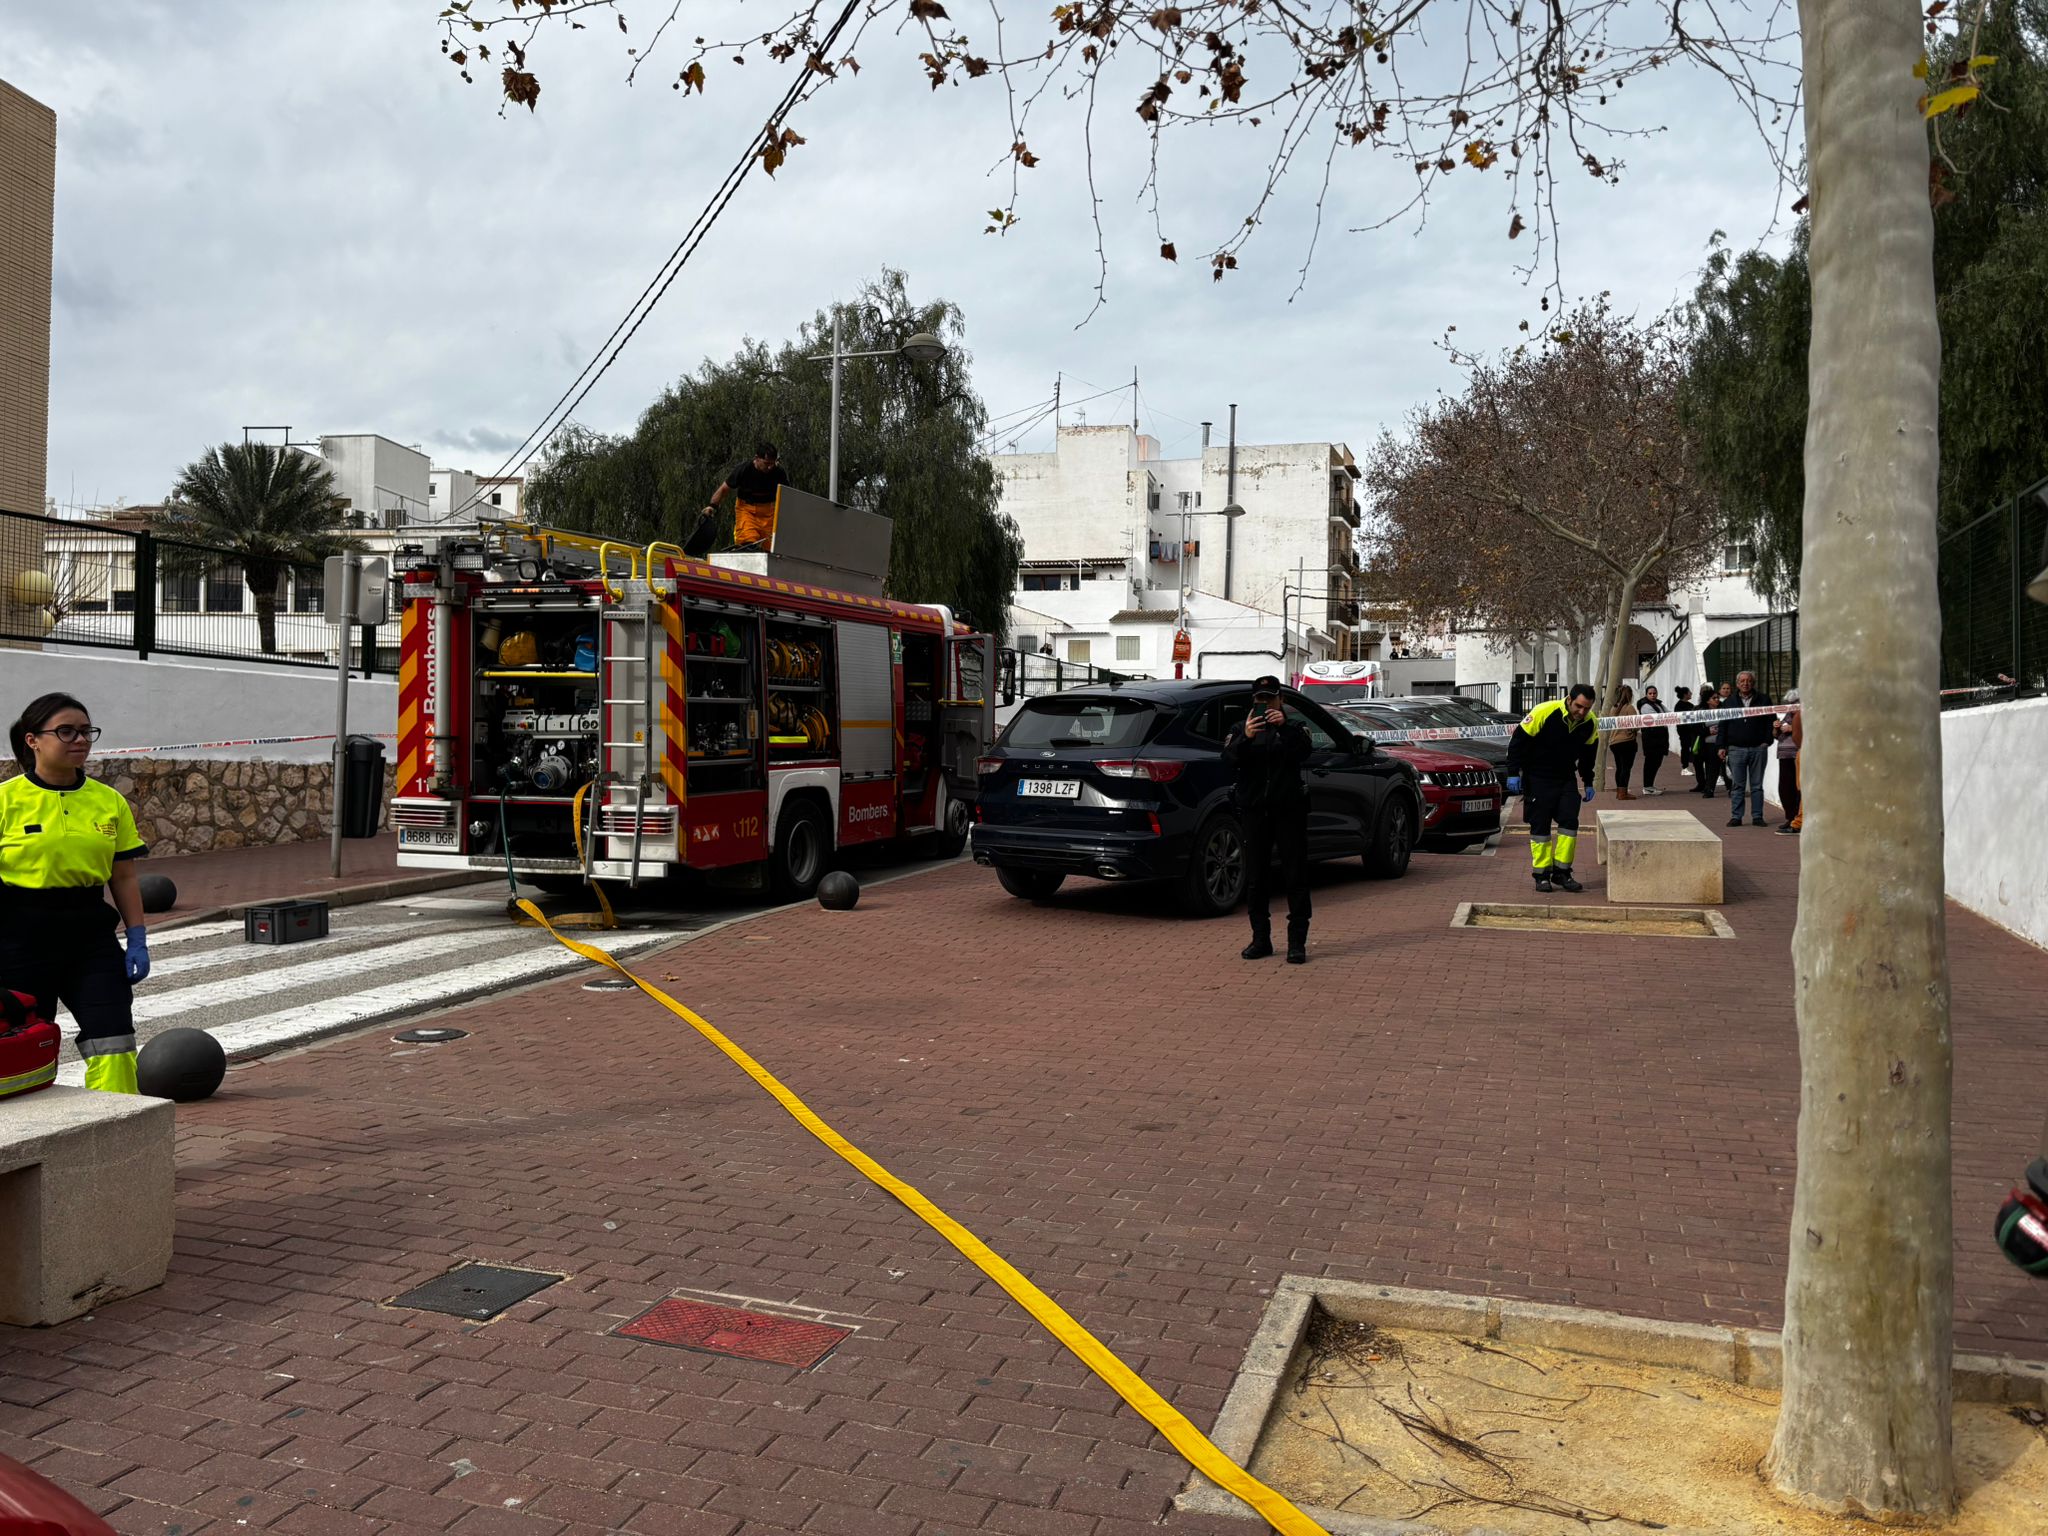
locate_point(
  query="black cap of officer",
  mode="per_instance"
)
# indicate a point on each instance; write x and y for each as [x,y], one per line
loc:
[1267,684]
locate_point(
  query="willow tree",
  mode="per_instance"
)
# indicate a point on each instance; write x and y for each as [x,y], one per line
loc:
[1526,94]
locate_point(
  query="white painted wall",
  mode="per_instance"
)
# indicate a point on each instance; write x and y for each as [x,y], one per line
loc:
[1995,808]
[162,702]
[385,481]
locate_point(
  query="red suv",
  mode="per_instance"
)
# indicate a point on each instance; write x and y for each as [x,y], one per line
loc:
[1461,794]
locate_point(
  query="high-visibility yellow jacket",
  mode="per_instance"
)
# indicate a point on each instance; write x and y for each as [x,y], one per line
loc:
[1546,745]
[54,839]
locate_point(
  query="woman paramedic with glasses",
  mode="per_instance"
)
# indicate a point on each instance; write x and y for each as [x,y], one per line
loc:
[64,839]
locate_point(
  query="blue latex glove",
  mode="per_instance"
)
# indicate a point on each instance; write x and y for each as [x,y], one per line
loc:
[1515,785]
[138,955]
[1587,797]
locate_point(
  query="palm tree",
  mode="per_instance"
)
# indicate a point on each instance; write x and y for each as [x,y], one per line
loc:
[274,507]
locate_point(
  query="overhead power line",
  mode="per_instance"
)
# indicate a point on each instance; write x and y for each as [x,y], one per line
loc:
[665,275]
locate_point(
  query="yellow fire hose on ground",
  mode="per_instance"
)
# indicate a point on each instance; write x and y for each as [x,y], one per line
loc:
[1192,1444]
[518,909]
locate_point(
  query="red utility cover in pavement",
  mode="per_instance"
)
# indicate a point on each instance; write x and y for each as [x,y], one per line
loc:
[730,1331]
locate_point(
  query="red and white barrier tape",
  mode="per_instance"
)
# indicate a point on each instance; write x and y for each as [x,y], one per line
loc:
[246,741]
[1502,731]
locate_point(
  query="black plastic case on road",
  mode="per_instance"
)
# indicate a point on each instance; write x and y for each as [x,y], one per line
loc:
[285,922]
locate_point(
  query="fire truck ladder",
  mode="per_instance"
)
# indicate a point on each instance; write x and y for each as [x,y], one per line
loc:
[626,660]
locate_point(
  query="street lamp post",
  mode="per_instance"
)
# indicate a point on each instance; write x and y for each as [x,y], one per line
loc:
[1233,510]
[921,347]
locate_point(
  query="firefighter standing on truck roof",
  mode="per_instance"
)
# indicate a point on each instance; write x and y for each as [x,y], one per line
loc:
[1552,751]
[64,838]
[754,486]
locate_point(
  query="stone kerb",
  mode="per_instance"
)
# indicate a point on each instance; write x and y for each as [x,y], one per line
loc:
[1743,1356]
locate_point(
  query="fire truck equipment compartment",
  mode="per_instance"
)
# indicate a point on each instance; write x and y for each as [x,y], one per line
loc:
[285,922]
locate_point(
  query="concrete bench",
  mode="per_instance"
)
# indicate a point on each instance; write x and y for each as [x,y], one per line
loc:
[1659,857]
[85,1201]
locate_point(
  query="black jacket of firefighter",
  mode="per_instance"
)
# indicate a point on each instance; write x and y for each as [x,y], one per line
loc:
[1548,746]
[1267,767]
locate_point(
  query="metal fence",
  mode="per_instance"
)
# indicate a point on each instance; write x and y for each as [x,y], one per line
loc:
[1526,693]
[1026,675]
[1994,640]
[1769,649]
[65,582]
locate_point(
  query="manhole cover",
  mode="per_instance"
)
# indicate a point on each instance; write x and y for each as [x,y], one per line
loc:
[715,1330]
[608,984]
[475,1290]
[430,1036]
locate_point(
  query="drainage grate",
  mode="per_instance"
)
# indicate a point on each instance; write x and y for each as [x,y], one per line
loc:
[743,1335]
[475,1290]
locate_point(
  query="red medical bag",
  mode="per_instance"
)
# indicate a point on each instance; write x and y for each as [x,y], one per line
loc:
[28,1045]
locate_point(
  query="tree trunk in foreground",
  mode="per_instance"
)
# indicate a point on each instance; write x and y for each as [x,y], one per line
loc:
[1865,1424]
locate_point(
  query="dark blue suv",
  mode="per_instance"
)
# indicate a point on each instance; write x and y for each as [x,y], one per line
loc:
[1128,783]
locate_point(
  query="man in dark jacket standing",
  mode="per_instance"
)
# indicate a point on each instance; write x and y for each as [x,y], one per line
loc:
[1265,751]
[1743,745]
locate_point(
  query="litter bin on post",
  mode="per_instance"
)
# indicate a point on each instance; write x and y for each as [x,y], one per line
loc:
[362,787]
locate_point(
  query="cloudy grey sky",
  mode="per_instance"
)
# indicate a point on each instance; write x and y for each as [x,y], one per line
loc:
[298,215]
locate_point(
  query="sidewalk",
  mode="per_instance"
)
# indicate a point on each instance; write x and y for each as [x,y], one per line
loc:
[235,877]
[1150,1128]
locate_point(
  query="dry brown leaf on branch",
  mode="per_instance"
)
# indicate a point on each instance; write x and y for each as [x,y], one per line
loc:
[1166,249]
[521,88]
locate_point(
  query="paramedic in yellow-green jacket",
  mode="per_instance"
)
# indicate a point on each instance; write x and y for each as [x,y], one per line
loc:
[1549,754]
[66,839]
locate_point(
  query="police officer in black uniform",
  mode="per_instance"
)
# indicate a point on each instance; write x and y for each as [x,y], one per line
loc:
[1265,752]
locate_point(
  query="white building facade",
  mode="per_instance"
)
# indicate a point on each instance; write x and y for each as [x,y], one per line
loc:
[1666,643]
[1086,626]
[1103,508]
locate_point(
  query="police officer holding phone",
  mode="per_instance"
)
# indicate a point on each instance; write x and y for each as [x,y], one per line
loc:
[1265,752]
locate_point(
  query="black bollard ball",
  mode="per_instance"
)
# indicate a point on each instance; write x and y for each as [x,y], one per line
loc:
[839,892]
[185,1065]
[159,893]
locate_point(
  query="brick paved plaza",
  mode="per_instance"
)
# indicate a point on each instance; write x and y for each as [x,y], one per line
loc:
[1152,1129]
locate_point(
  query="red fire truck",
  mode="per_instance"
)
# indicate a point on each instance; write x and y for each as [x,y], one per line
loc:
[577,709]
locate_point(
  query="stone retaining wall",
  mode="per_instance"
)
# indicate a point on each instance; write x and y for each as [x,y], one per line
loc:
[191,805]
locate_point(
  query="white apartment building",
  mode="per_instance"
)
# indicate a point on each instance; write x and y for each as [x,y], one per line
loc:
[1104,507]
[385,484]
[1086,626]
[388,485]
